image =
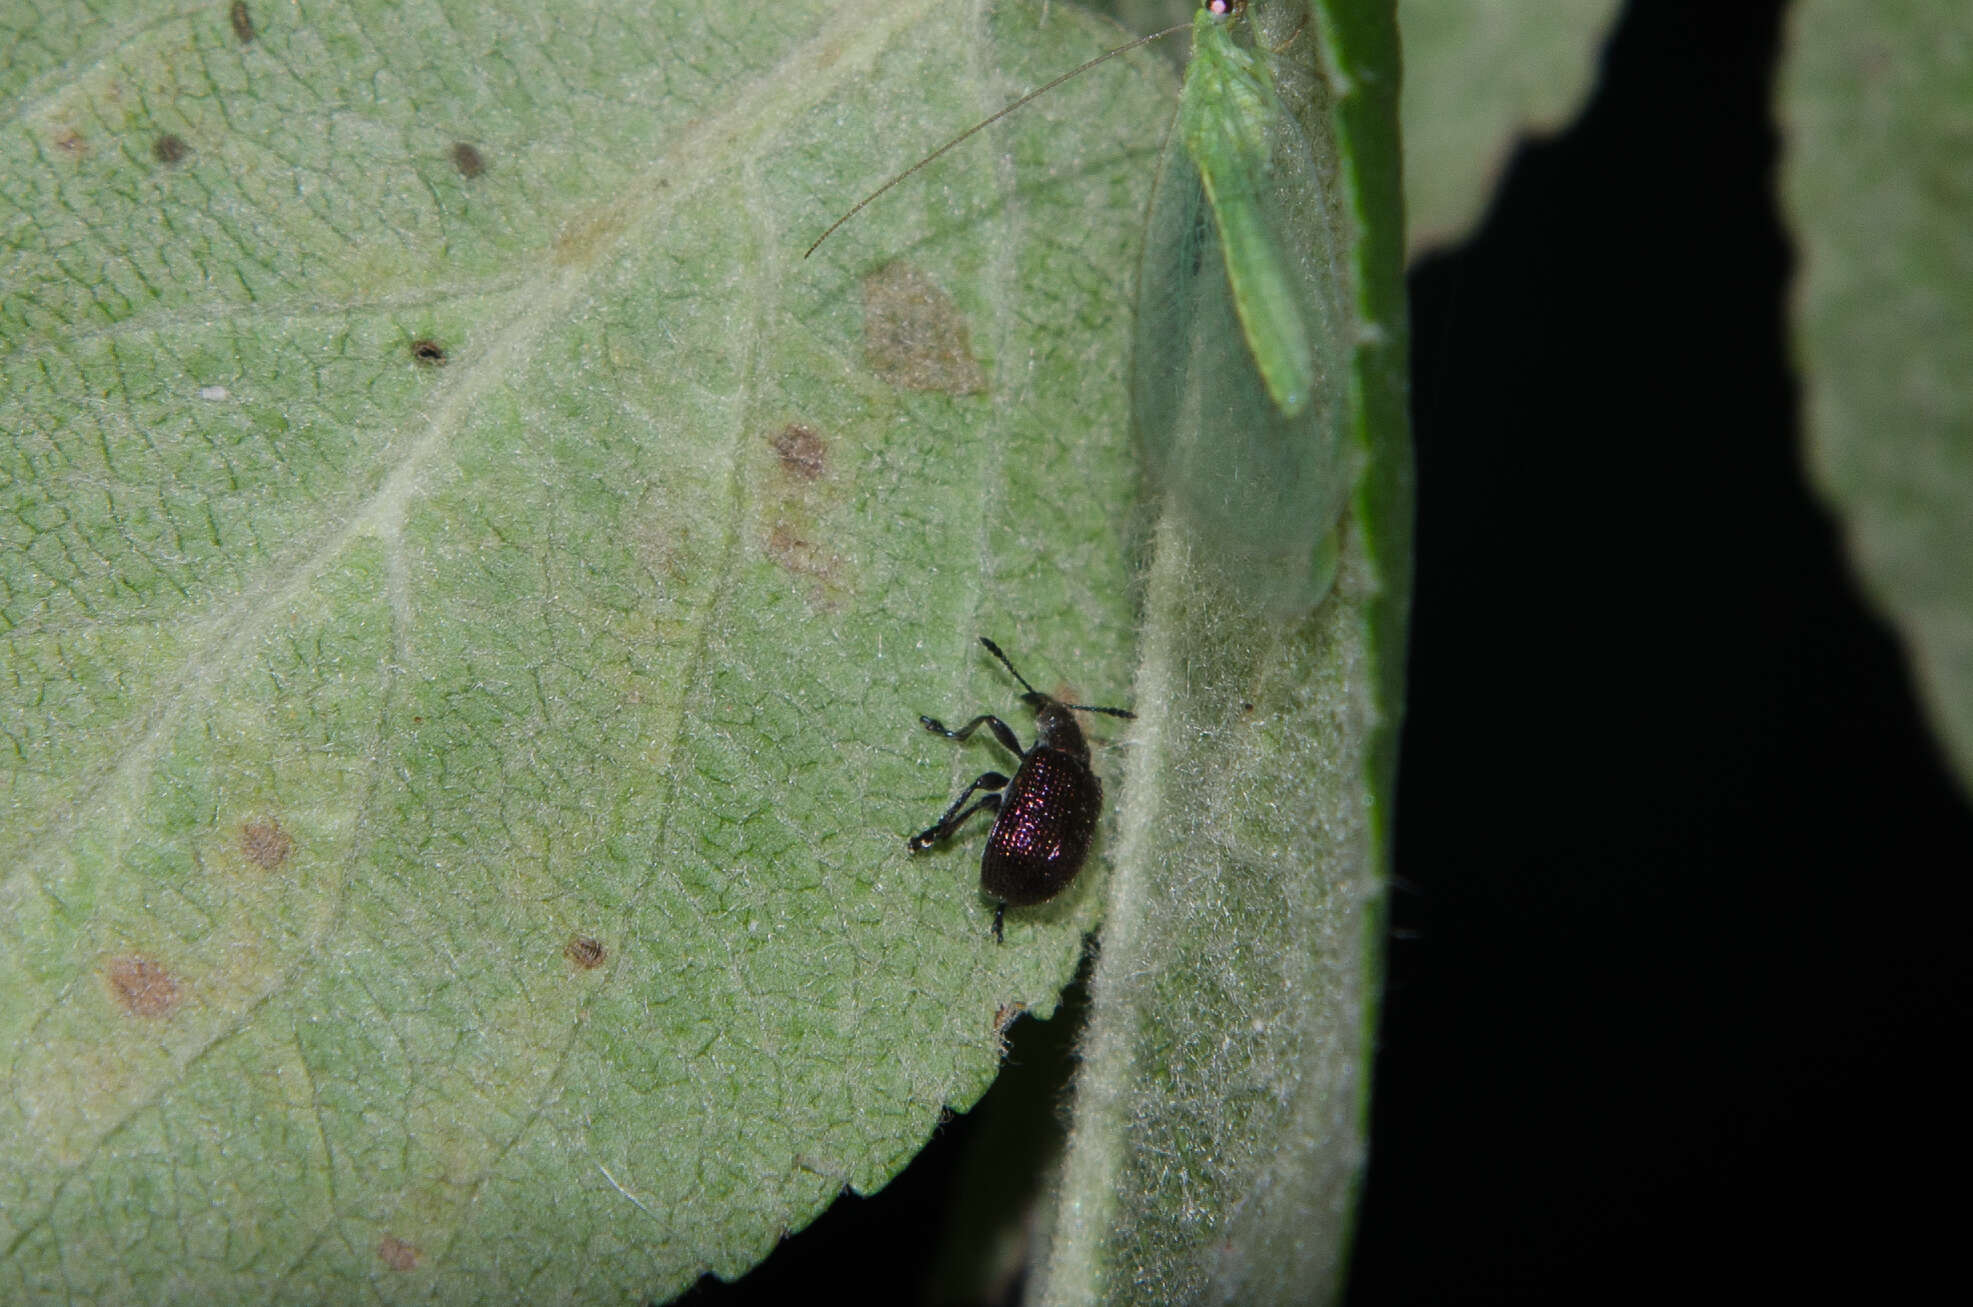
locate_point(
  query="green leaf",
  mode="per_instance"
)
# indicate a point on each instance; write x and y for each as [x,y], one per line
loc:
[1219,1123]
[1877,109]
[1478,78]
[468,589]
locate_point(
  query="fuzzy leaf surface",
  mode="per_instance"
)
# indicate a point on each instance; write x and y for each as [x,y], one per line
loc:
[467,588]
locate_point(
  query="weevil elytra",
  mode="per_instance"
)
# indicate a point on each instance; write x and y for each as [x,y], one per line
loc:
[1044,817]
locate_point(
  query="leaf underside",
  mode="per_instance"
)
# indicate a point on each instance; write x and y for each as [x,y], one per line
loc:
[468,592]
[1219,1116]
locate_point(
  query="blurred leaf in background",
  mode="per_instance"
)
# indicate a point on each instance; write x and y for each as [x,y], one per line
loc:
[1873,108]
[1876,110]
[1480,76]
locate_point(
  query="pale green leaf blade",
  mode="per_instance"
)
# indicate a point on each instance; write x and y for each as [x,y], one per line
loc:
[466,592]
[1877,111]
[1219,1131]
[1478,77]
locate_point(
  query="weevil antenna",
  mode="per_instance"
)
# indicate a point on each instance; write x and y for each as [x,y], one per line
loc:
[1007,662]
[981,126]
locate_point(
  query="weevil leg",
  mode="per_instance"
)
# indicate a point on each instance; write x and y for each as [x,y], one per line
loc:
[1001,731]
[954,818]
[999,915]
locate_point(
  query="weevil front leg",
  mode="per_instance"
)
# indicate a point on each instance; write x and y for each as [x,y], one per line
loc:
[1001,731]
[954,818]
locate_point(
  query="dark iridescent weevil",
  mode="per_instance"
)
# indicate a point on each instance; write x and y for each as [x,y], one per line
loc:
[1045,816]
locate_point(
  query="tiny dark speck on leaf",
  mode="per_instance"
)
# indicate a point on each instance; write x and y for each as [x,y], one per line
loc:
[585,951]
[398,1254]
[265,844]
[802,450]
[141,985]
[428,352]
[914,336]
[468,160]
[169,149]
[242,21]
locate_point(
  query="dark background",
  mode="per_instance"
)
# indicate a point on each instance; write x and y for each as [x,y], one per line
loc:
[1678,928]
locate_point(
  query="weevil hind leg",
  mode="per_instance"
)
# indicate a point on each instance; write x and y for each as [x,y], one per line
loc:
[953,818]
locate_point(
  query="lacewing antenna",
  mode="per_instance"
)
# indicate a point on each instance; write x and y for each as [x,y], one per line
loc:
[985,123]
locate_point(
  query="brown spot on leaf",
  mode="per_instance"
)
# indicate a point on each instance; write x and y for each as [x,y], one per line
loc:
[794,532]
[141,985]
[584,236]
[69,141]
[428,352]
[914,335]
[803,451]
[585,951]
[168,149]
[468,160]
[242,21]
[398,1254]
[266,845]
[788,547]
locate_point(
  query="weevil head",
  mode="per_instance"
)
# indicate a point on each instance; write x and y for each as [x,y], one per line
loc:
[1055,724]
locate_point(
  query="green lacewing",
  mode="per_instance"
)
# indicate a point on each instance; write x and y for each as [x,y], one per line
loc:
[1246,148]
[1240,361]
[1239,356]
